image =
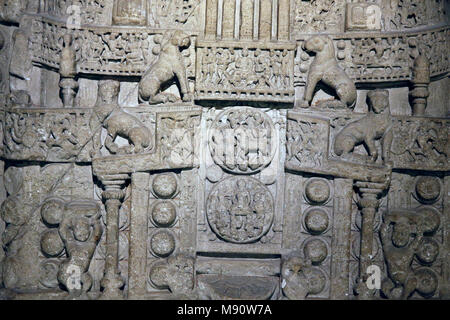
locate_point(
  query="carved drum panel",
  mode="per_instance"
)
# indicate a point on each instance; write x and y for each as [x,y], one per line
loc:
[224,149]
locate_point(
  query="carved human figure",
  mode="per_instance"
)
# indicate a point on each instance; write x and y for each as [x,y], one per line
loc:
[402,235]
[68,72]
[25,132]
[62,137]
[375,126]
[109,115]
[325,68]
[262,68]
[244,69]
[67,66]
[168,66]
[80,231]
[240,209]
[285,68]
[224,60]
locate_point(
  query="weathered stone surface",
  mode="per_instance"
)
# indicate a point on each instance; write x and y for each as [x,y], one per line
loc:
[224,149]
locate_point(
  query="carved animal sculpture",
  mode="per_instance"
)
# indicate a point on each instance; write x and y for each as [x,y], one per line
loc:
[325,68]
[375,126]
[117,122]
[127,126]
[168,66]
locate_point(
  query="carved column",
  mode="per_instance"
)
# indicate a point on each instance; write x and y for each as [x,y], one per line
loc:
[369,203]
[265,20]
[137,260]
[113,196]
[341,238]
[420,82]
[247,14]
[283,19]
[68,72]
[211,19]
[229,8]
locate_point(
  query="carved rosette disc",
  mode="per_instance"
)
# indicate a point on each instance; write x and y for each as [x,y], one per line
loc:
[240,209]
[242,140]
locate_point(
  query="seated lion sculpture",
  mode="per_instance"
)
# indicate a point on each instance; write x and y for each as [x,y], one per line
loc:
[168,66]
[325,68]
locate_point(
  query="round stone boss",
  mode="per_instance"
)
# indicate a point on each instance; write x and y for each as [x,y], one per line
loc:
[165,185]
[240,209]
[317,191]
[242,140]
[427,281]
[51,243]
[316,250]
[428,189]
[162,243]
[431,219]
[157,275]
[428,251]
[48,275]
[163,213]
[52,211]
[316,221]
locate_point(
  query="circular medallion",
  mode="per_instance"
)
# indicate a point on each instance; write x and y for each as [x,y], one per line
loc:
[158,275]
[52,211]
[51,243]
[165,185]
[428,251]
[164,213]
[242,140]
[240,209]
[317,191]
[431,219]
[427,282]
[48,275]
[316,221]
[316,250]
[162,243]
[428,189]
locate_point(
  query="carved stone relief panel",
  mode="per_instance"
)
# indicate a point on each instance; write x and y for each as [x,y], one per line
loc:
[224,149]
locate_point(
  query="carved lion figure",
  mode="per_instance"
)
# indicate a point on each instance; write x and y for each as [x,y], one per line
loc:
[117,122]
[168,66]
[326,69]
[375,126]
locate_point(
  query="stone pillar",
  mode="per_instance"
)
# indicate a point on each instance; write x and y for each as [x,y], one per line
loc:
[283,19]
[342,219]
[265,20]
[420,82]
[137,260]
[228,21]
[113,196]
[247,14]
[211,19]
[68,72]
[369,203]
